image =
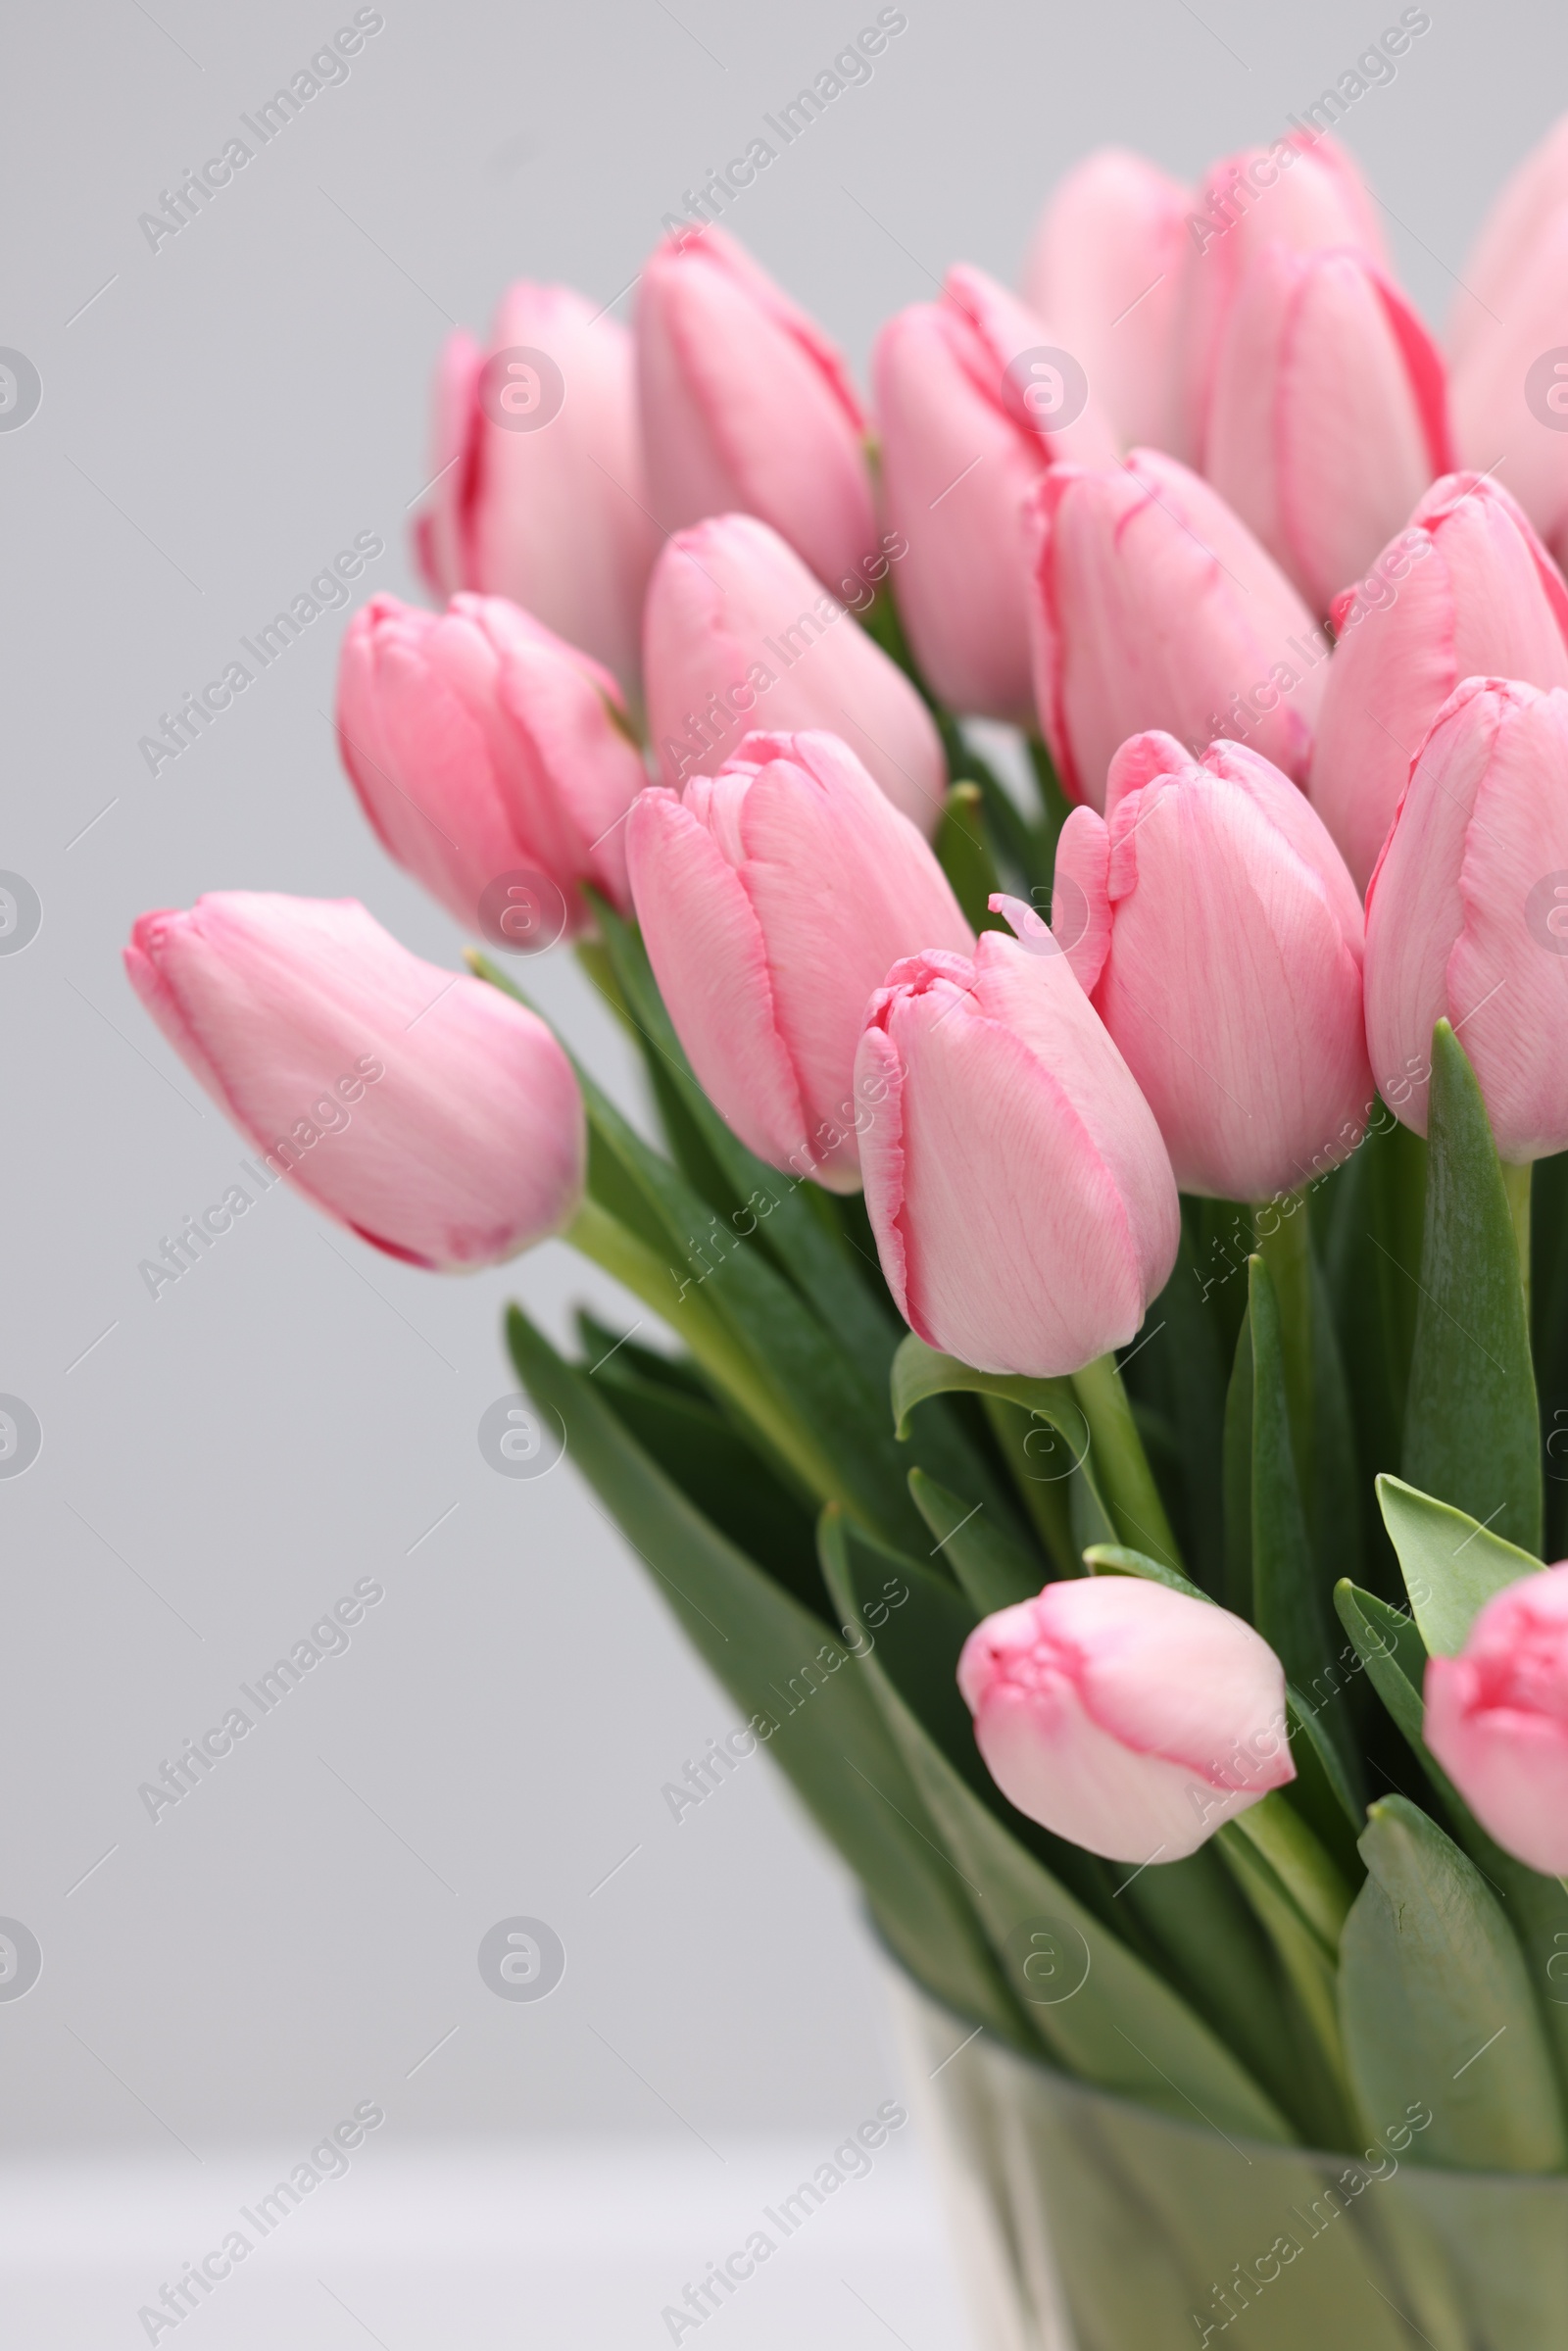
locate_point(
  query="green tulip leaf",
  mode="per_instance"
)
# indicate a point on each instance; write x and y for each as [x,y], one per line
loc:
[1451,1565]
[992,1570]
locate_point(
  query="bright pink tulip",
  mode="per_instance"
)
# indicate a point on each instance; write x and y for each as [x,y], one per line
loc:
[748,408]
[1301,193]
[1212,921]
[480,745]
[1126,1717]
[1106,269]
[1466,590]
[428,1112]
[1329,414]
[739,635]
[1526,207]
[1467,915]
[1154,607]
[967,393]
[1510,390]
[537,489]
[1496,1719]
[1023,1204]
[773,897]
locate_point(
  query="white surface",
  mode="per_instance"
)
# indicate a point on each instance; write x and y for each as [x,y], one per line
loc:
[576,2245]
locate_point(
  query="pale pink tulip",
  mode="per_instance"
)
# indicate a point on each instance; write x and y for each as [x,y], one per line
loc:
[975,399]
[1466,590]
[1218,935]
[1106,267]
[739,636]
[426,1111]
[1467,915]
[1022,1201]
[1496,1719]
[1526,206]
[747,408]
[481,745]
[1152,606]
[1128,1717]
[1329,416]
[537,480]
[1510,389]
[1302,192]
[773,897]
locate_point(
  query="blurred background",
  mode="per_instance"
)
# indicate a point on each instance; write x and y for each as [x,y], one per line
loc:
[300,1936]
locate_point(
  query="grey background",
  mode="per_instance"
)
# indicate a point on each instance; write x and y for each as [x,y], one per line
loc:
[298,1410]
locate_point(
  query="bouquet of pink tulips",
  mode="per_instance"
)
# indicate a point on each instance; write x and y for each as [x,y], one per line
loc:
[1111,1236]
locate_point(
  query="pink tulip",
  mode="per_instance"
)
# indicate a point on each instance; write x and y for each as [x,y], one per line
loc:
[746,407]
[1126,1717]
[968,389]
[1526,206]
[1022,1202]
[738,635]
[480,746]
[1496,1719]
[773,897]
[1302,192]
[1467,915]
[537,490]
[1466,590]
[1328,413]
[1212,921]
[1106,269]
[1510,390]
[429,1113]
[1153,606]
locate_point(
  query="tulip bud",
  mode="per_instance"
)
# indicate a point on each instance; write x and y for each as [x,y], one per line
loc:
[1128,1717]
[1218,935]
[975,400]
[483,748]
[1466,590]
[1302,192]
[1525,207]
[773,897]
[738,634]
[1022,1201]
[1328,413]
[746,407]
[1496,1719]
[537,481]
[429,1113]
[1152,606]
[1467,915]
[1510,390]
[1106,269]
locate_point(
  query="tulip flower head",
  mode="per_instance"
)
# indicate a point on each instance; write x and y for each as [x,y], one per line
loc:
[1130,1718]
[1496,1719]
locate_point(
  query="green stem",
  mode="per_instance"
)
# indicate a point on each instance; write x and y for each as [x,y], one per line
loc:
[1120,1464]
[1304,1866]
[609,1245]
[1516,1183]
[1285,1242]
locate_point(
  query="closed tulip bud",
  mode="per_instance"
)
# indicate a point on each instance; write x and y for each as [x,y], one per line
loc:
[1302,192]
[483,747]
[1526,207]
[746,407]
[1467,915]
[429,1113]
[1329,416]
[773,897]
[1152,606]
[1496,1719]
[1130,1719]
[1106,269]
[1510,389]
[1219,937]
[1022,1201]
[974,400]
[739,635]
[1466,590]
[537,478]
